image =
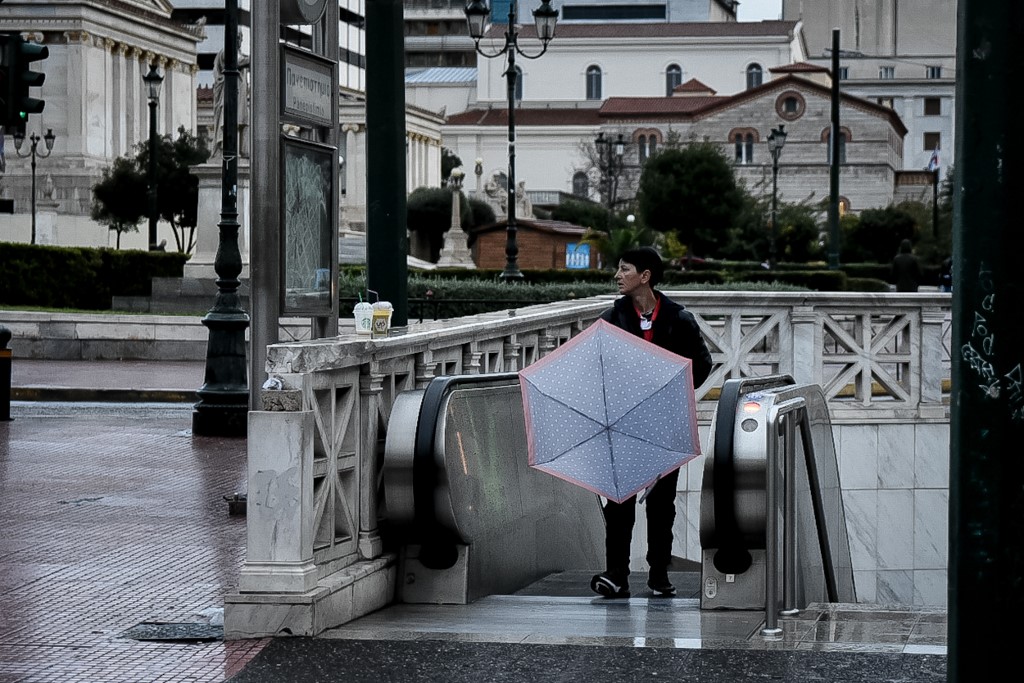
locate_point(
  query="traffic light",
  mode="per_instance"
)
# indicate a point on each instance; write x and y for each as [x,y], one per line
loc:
[16,78]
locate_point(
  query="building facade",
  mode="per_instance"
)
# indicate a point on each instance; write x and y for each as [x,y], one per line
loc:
[96,105]
[899,53]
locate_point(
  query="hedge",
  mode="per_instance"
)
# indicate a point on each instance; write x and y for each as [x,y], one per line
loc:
[79,277]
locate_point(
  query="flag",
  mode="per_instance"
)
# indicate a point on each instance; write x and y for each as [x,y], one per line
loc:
[933,162]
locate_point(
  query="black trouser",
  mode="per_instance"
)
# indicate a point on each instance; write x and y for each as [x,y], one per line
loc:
[661,514]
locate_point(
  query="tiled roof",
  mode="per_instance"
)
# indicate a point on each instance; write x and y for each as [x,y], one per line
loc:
[527,117]
[539,224]
[797,68]
[443,74]
[657,106]
[693,85]
[692,29]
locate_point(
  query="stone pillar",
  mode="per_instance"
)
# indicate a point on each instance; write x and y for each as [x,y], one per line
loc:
[371,389]
[455,253]
[46,215]
[279,511]
[932,320]
[805,354]
[200,266]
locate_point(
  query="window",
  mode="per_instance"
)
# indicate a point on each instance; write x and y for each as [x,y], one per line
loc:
[673,77]
[745,149]
[933,71]
[641,148]
[932,106]
[885,102]
[580,184]
[593,82]
[790,105]
[646,144]
[932,141]
[844,73]
[755,76]
[887,73]
[842,147]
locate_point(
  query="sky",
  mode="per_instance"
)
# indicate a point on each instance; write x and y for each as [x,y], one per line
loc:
[756,10]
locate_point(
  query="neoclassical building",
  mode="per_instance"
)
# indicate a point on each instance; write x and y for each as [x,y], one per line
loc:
[96,105]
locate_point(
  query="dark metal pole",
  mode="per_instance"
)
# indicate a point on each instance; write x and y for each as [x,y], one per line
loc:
[833,170]
[34,139]
[223,405]
[935,203]
[387,245]
[986,492]
[511,271]
[152,175]
[772,247]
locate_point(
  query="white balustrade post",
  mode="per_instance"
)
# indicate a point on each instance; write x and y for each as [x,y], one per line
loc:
[932,320]
[805,362]
[279,514]
[371,392]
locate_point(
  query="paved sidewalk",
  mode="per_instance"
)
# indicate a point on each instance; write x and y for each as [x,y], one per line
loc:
[113,515]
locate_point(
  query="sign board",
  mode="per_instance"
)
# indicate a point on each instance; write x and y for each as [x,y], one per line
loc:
[309,242]
[577,256]
[307,83]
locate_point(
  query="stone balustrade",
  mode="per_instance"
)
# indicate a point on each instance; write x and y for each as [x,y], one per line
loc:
[315,556]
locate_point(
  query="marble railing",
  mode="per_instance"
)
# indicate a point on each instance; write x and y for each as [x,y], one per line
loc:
[318,560]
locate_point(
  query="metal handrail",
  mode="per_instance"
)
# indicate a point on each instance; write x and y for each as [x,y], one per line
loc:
[780,416]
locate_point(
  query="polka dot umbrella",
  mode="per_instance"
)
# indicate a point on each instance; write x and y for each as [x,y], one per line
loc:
[610,412]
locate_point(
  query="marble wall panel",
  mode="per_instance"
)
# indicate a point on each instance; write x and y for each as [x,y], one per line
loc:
[930,587]
[895,461]
[931,529]
[895,587]
[931,456]
[894,548]
[859,466]
[862,527]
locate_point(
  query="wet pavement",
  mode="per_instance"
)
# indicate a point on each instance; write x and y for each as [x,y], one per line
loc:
[113,515]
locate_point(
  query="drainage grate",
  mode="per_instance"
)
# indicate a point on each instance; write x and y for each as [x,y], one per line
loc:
[155,630]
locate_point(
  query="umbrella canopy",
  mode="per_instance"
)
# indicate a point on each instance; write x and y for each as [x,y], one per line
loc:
[610,412]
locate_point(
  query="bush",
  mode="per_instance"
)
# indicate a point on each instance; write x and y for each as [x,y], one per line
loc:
[866,284]
[818,280]
[79,277]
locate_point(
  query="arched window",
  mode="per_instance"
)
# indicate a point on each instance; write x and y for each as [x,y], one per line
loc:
[745,148]
[743,140]
[652,146]
[593,82]
[641,148]
[755,76]
[580,184]
[673,77]
[519,84]
[844,137]
[646,140]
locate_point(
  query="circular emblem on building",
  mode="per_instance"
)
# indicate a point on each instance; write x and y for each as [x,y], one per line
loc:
[790,105]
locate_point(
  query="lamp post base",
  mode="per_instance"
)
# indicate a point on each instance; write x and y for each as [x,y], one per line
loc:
[226,419]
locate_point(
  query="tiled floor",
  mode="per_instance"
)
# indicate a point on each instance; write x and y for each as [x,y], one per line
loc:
[553,613]
[113,516]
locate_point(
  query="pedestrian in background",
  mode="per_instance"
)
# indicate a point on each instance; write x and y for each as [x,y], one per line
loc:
[906,271]
[946,275]
[646,312]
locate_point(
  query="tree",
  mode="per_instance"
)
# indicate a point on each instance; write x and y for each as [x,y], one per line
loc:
[429,215]
[177,188]
[691,190]
[449,161]
[877,234]
[119,199]
[125,186]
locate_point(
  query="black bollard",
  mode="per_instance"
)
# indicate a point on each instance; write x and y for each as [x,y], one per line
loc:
[5,375]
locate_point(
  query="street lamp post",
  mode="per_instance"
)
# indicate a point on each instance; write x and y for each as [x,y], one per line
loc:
[153,80]
[19,140]
[776,141]
[609,155]
[545,17]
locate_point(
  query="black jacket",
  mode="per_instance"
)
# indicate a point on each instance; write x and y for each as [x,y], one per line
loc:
[675,329]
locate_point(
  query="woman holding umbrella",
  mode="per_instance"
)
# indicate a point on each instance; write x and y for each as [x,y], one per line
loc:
[647,313]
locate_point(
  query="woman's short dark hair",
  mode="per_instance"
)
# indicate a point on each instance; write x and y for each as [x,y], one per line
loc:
[645,258]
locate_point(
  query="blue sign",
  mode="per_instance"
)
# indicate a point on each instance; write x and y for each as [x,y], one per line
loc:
[577,256]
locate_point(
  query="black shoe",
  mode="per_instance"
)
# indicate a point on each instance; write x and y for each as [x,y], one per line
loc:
[610,585]
[658,582]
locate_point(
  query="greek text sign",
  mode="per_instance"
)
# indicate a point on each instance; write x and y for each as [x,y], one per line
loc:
[306,87]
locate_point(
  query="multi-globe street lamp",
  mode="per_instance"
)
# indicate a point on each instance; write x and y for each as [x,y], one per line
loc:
[545,17]
[776,141]
[19,140]
[153,80]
